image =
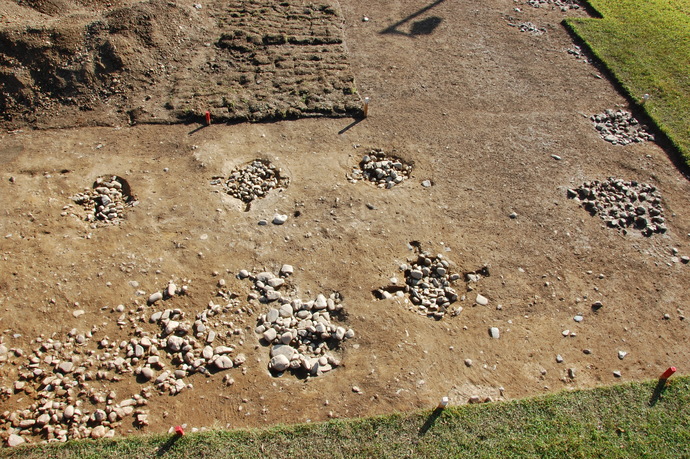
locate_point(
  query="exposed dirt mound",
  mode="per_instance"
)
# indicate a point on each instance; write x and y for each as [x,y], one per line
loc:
[67,64]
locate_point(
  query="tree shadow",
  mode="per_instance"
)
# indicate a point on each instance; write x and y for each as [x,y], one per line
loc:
[423,27]
[658,391]
[430,421]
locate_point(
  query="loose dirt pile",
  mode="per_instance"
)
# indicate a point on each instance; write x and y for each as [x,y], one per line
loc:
[66,64]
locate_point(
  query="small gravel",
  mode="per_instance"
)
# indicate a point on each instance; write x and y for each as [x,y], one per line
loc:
[563,5]
[620,127]
[623,205]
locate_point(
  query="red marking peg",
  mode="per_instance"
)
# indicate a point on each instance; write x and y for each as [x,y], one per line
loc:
[668,373]
[178,429]
[208,118]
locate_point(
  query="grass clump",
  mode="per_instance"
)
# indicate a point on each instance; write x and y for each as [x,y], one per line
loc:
[646,46]
[619,421]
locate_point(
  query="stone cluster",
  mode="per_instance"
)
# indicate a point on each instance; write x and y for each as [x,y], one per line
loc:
[529,28]
[564,5]
[620,127]
[623,204]
[579,54]
[106,201]
[428,283]
[382,170]
[301,333]
[58,374]
[253,181]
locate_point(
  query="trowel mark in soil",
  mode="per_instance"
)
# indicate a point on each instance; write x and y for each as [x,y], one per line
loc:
[623,205]
[106,201]
[382,170]
[253,181]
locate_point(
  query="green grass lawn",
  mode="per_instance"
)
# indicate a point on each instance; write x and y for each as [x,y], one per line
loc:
[646,46]
[617,421]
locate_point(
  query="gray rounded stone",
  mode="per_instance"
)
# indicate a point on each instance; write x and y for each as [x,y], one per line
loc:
[223,362]
[157,296]
[270,334]
[279,363]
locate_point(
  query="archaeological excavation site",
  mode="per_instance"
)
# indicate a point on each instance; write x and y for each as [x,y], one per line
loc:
[205,224]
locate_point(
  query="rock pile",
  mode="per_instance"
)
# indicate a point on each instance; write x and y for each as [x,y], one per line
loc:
[564,5]
[620,127]
[623,204]
[106,201]
[301,333]
[253,181]
[428,283]
[382,170]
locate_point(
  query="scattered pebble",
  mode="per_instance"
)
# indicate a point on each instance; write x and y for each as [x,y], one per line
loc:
[279,219]
[564,5]
[529,28]
[579,54]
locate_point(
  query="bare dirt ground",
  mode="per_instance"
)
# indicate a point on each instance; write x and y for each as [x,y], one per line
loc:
[479,107]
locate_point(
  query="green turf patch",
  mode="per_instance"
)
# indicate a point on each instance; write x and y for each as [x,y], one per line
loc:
[646,46]
[630,420]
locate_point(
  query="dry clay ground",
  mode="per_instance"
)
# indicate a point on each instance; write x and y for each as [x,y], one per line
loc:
[479,108]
